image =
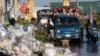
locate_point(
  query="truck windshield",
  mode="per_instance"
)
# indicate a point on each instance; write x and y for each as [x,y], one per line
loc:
[67,21]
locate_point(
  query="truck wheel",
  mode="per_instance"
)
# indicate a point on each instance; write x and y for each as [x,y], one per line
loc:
[57,42]
[79,40]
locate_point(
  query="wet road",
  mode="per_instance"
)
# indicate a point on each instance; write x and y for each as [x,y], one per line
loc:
[86,48]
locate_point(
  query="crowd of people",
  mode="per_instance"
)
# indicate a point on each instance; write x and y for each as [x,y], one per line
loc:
[59,10]
[67,11]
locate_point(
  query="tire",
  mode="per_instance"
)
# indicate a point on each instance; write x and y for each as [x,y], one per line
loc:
[57,42]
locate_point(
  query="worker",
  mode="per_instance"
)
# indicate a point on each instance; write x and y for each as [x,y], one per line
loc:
[87,30]
[12,21]
[49,27]
[94,38]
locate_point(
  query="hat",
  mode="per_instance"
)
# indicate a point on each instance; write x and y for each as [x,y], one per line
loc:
[12,16]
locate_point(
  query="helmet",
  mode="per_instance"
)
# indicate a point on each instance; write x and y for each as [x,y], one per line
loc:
[12,16]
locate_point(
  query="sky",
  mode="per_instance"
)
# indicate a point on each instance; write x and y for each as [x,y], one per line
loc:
[47,2]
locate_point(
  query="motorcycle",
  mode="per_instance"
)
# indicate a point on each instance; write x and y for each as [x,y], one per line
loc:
[94,34]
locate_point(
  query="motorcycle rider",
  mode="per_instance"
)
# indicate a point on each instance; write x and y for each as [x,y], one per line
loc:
[94,37]
[87,30]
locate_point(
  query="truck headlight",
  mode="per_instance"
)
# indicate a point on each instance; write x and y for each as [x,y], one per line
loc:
[77,30]
[77,36]
[58,31]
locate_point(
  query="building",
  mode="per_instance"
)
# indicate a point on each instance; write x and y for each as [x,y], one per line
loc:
[84,6]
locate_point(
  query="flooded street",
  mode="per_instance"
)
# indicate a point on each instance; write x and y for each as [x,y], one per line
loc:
[49,28]
[86,48]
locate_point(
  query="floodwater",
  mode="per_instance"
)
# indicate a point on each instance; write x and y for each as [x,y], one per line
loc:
[86,48]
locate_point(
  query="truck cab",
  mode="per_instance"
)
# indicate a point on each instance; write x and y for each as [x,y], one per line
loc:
[66,27]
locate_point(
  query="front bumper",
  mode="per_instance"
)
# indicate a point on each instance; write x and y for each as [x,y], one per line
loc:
[68,36]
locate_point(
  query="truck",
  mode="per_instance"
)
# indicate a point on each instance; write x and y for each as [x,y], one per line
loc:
[66,27]
[66,24]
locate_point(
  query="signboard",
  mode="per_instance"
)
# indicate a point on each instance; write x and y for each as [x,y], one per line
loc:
[22,5]
[22,8]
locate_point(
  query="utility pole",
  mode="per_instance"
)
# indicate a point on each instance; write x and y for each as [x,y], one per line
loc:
[4,12]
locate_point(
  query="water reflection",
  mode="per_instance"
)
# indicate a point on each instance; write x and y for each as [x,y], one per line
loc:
[92,48]
[86,50]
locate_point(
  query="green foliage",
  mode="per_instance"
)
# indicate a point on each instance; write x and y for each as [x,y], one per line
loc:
[98,19]
[41,34]
[22,21]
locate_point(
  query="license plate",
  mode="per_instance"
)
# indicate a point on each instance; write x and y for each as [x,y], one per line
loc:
[67,35]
